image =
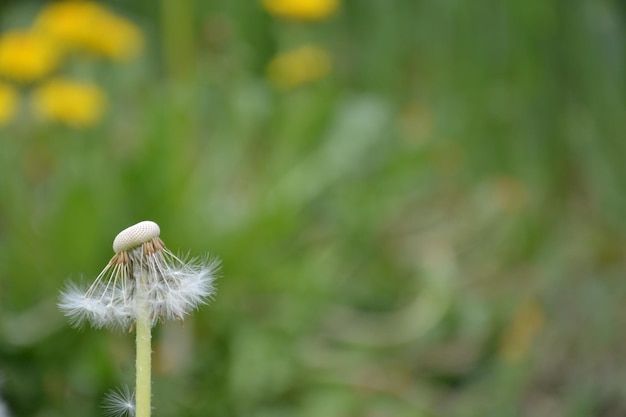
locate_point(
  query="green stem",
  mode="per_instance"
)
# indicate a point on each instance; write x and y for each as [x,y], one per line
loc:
[144,351]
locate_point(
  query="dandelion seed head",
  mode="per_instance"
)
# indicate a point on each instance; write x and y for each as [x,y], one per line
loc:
[135,236]
[171,286]
[119,402]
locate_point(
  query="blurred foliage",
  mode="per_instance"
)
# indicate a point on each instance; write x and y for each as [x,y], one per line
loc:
[433,228]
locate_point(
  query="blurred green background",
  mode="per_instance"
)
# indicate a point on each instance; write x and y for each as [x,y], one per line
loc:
[423,217]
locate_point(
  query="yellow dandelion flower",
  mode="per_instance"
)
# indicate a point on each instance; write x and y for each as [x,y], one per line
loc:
[26,55]
[69,102]
[299,66]
[517,340]
[8,103]
[87,26]
[301,9]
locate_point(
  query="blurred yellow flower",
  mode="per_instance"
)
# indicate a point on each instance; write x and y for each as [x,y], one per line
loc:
[299,66]
[518,338]
[8,103]
[26,55]
[85,25]
[70,102]
[301,9]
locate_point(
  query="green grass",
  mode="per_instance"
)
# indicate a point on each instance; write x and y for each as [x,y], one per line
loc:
[378,229]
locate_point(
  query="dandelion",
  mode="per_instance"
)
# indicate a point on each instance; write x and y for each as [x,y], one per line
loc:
[27,56]
[87,26]
[74,103]
[173,287]
[300,66]
[301,9]
[142,284]
[517,341]
[8,103]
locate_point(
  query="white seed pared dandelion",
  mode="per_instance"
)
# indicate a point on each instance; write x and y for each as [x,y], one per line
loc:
[174,286]
[142,284]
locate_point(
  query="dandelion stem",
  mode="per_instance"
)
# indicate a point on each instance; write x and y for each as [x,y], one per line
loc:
[144,350]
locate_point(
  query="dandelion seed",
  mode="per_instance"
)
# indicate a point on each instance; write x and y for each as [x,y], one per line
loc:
[174,286]
[119,402]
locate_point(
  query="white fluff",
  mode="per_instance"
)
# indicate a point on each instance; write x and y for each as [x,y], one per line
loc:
[174,287]
[119,403]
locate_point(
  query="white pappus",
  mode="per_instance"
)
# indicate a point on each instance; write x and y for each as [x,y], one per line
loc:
[173,286]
